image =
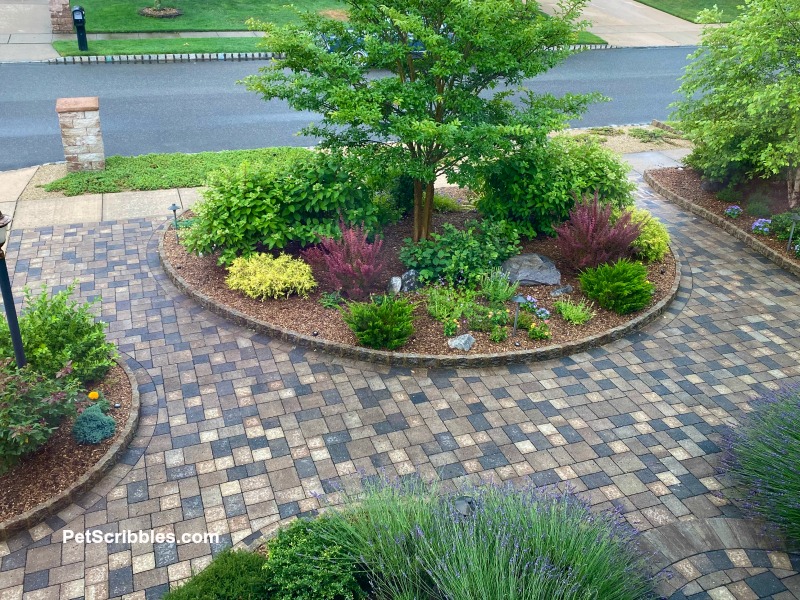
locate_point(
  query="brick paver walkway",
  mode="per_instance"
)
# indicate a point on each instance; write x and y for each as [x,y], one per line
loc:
[239,431]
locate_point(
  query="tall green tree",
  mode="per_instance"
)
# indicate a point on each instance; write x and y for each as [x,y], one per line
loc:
[742,96]
[424,87]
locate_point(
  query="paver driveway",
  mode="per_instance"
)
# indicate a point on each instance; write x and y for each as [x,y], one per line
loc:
[239,431]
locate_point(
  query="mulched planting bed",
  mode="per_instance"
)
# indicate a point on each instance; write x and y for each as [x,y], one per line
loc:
[685,182]
[307,316]
[62,461]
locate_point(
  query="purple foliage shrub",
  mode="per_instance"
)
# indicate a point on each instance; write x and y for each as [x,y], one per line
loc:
[351,264]
[589,238]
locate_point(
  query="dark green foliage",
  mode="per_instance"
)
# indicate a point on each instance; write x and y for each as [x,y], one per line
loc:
[232,575]
[729,195]
[763,458]
[253,206]
[31,409]
[386,324]
[535,188]
[402,193]
[758,205]
[56,331]
[462,256]
[781,226]
[304,564]
[484,318]
[92,426]
[622,287]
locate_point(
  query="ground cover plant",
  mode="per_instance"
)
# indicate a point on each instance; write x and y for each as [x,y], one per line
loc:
[576,313]
[762,457]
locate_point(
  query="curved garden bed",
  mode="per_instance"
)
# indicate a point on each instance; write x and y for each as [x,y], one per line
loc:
[203,280]
[62,471]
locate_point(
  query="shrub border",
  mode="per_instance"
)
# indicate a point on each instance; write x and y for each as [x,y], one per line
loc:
[757,245]
[89,479]
[402,359]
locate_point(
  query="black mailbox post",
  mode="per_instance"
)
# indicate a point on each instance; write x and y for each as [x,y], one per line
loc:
[79,20]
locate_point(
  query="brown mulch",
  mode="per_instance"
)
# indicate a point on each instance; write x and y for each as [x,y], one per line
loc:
[161,13]
[62,461]
[307,316]
[686,183]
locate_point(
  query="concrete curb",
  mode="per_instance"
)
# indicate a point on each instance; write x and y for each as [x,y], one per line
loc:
[421,360]
[757,245]
[89,479]
[221,56]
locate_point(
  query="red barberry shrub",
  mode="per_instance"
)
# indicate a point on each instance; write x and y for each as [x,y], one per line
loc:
[351,264]
[589,238]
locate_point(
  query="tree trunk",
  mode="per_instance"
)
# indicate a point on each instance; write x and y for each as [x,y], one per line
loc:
[793,186]
[427,215]
[418,206]
[423,209]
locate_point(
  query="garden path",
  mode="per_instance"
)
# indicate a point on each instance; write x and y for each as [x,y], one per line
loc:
[240,432]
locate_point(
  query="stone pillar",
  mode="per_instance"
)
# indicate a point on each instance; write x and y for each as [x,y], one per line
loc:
[79,119]
[60,16]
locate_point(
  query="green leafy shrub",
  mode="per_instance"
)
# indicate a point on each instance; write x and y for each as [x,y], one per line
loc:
[758,205]
[31,409]
[576,313]
[445,204]
[232,575]
[652,135]
[536,187]
[92,426]
[496,287]
[539,331]
[461,256]
[653,241]
[729,195]
[386,210]
[56,331]
[401,191]
[621,287]
[330,299]
[487,542]
[253,206]
[524,321]
[385,324]
[763,458]
[486,318]
[781,226]
[446,302]
[498,334]
[303,564]
[263,276]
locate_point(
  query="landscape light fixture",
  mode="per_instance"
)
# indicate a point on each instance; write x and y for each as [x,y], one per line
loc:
[79,20]
[795,219]
[175,208]
[518,299]
[8,299]
[465,505]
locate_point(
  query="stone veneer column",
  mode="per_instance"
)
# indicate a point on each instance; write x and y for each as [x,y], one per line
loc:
[60,16]
[79,119]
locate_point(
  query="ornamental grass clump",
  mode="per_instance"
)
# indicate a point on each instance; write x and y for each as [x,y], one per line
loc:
[488,542]
[763,454]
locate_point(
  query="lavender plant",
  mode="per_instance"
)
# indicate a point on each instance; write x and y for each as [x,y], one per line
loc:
[492,542]
[763,454]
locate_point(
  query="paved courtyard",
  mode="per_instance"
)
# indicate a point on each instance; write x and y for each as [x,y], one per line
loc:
[239,432]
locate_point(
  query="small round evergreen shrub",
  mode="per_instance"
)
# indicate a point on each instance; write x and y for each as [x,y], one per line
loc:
[92,426]
[764,452]
[262,276]
[653,241]
[386,324]
[621,287]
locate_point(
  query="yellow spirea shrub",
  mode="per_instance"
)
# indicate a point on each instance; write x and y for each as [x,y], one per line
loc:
[653,242]
[262,276]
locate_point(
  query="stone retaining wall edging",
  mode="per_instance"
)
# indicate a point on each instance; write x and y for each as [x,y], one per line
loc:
[726,226]
[421,360]
[89,479]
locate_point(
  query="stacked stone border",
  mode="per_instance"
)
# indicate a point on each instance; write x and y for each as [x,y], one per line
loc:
[757,245]
[402,359]
[89,479]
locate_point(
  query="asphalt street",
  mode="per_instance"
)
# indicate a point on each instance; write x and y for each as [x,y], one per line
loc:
[192,107]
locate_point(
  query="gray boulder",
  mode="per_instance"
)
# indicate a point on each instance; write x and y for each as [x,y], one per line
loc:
[567,289]
[410,281]
[462,342]
[395,285]
[532,269]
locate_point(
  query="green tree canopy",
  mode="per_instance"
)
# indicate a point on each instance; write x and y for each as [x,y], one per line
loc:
[742,96]
[424,87]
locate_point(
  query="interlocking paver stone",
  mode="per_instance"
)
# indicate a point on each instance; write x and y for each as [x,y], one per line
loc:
[240,431]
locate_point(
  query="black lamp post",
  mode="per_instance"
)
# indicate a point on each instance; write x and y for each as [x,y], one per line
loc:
[518,299]
[8,299]
[175,208]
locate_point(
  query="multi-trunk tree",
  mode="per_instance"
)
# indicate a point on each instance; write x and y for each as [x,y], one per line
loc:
[423,87]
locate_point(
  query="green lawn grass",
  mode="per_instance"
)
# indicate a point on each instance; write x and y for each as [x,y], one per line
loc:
[122,16]
[584,37]
[161,46]
[164,171]
[688,9]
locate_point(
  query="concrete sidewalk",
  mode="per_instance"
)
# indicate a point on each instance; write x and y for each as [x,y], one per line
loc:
[93,208]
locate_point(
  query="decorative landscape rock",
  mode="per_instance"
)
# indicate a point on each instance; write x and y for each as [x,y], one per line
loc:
[410,281]
[462,342]
[532,269]
[567,289]
[395,285]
